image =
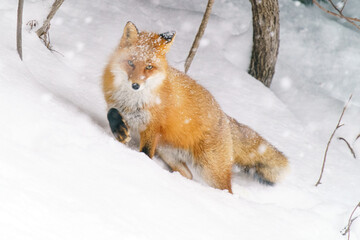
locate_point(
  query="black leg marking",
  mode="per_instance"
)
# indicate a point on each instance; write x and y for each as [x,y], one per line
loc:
[262,180]
[146,149]
[118,126]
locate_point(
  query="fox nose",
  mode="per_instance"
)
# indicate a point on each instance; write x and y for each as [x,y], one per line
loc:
[135,86]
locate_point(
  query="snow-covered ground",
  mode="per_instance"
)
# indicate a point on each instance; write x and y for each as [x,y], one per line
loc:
[63,176]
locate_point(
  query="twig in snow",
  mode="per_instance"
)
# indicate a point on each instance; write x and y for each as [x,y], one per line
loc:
[358,136]
[346,230]
[199,35]
[338,125]
[43,32]
[347,143]
[339,13]
[19,28]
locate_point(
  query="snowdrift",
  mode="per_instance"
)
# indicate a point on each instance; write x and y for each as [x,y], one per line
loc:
[63,176]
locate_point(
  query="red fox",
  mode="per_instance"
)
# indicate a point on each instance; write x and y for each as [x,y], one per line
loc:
[176,118]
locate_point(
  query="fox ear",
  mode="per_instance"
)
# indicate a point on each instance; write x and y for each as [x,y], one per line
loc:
[130,35]
[168,39]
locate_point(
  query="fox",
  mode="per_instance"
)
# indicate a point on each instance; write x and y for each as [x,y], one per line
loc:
[174,117]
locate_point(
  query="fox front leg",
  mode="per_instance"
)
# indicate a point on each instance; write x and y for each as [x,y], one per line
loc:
[148,142]
[118,127]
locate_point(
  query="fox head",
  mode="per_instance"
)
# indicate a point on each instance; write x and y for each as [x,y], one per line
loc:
[139,61]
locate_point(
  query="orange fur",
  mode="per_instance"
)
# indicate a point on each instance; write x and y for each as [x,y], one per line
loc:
[178,118]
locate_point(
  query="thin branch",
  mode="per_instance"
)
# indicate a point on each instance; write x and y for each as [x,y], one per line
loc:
[199,35]
[43,32]
[343,6]
[339,14]
[335,14]
[347,143]
[350,221]
[334,6]
[19,28]
[338,125]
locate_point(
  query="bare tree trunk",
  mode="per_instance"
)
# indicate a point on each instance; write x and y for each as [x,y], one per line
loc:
[199,35]
[266,29]
[19,28]
[43,31]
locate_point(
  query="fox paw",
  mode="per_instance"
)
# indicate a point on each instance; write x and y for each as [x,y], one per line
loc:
[118,127]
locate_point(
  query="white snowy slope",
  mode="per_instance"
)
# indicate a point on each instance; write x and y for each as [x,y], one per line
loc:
[63,176]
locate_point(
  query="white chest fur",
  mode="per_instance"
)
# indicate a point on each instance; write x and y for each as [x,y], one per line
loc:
[132,108]
[132,104]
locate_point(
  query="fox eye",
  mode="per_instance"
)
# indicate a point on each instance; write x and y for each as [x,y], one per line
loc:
[131,63]
[149,67]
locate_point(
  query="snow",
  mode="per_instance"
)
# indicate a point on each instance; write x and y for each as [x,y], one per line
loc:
[63,175]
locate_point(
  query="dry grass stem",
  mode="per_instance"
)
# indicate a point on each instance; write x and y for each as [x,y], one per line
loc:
[347,143]
[350,221]
[338,125]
